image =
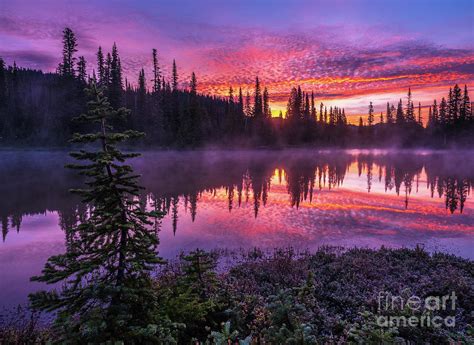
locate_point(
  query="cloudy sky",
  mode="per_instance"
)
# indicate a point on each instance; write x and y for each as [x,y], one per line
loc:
[347,52]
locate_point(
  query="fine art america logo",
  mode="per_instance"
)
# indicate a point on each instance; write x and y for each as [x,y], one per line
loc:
[414,311]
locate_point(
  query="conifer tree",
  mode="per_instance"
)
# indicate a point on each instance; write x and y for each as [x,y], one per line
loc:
[400,119]
[443,108]
[307,110]
[248,106]
[332,117]
[455,105]
[370,119]
[410,115]
[420,119]
[266,106]
[108,63]
[69,48]
[174,77]
[101,66]
[465,110]
[389,114]
[156,72]
[241,101]
[107,293]
[3,84]
[431,122]
[116,86]
[434,113]
[141,95]
[192,125]
[321,117]
[193,84]
[231,95]
[81,69]
[257,103]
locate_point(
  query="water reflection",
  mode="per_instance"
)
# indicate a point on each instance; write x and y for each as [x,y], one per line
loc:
[34,183]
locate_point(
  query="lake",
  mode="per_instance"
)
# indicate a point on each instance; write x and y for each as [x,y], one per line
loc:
[217,199]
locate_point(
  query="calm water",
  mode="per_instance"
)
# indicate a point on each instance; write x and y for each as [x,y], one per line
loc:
[244,199]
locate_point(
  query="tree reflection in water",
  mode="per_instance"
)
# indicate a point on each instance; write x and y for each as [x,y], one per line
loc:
[34,183]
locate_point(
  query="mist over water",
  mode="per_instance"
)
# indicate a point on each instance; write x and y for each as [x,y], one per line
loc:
[243,199]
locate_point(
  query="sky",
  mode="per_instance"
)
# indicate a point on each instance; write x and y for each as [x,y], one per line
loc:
[347,52]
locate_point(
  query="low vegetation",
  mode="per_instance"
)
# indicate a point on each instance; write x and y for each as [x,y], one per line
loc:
[285,297]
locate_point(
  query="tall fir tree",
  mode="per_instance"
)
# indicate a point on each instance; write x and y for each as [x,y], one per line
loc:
[257,102]
[193,84]
[431,122]
[410,115]
[400,118]
[156,72]
[389,114]
[420,118]
[116,83]
[370,119]
[108,63]
[241,101]
[321,117]
[266,105]
[141,98]
[434,113]
[231,95]
[443,110]
[174,77]
[101,67]
[82,69]
[69,48]
[107,292]
[3,83]
[455,105]
[248,105]
[465,109]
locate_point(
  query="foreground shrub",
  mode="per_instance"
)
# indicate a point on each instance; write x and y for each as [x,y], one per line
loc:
[327,297]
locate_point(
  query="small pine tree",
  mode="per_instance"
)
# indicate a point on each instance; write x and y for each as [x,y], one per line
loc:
[107,293]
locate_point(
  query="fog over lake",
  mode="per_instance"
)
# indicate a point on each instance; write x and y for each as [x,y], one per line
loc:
[246,199]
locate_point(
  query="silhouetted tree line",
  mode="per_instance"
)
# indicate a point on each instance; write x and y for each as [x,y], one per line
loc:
[36,108]
[449,123]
